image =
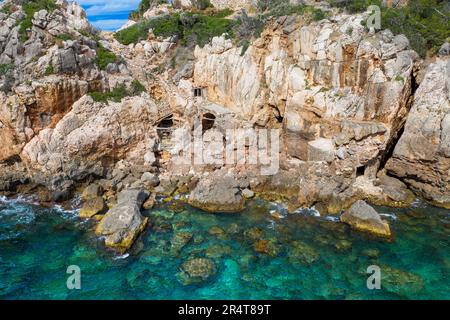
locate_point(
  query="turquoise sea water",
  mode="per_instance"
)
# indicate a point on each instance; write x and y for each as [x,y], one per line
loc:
[302,256]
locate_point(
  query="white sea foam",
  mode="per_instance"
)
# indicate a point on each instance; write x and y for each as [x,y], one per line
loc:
[121,257]
[26,199]
[418,203]
[389,215]
[308,211]
[332,218]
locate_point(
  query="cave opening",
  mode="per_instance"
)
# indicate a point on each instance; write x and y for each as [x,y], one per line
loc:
[208,121]
[360,171]
[164,127]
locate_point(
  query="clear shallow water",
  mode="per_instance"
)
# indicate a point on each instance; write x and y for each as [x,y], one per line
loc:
[312,257]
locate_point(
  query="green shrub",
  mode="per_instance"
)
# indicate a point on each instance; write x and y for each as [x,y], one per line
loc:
[189,27]
[7,8]
[104,57]
[30,7]
[222,13]
[5,68]
[205,28]
[8,82]
[164,26]
[137,88]
[244,44]
[118,93]
[143,7]
[424,22]
[65,37]
[49,70]
[354,6]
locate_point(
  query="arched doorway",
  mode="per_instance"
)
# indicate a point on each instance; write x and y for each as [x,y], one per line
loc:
[208,121]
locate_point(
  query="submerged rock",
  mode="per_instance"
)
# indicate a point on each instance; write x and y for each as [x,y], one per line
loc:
[371,253]
[196,270]
[254,233]
[179,240]
[269,247]
[343,245]
[217,251]
[399,281]
[303,253]
[122,224]
[363,217]
[217,232]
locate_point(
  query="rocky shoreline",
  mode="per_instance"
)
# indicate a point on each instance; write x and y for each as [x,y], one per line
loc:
[359,116]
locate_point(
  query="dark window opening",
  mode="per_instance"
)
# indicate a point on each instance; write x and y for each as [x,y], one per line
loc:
[208,121]
[360,171]
[198,92]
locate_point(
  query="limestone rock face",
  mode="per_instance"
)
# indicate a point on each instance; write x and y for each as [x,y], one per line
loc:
[217,194]
[422,155]
[321,150]
[324,80]
[122,224]
[44,71]
[363,217]
[92,135]
[197,270]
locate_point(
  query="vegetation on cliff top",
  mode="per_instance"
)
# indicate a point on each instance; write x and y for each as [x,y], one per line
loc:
[426,23]
[189,27]
[30,8]
[104,57]
[200,26]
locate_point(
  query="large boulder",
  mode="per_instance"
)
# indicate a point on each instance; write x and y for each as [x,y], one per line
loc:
[422,156]
[217,194]
[92,207]
[363,217]
[122,224]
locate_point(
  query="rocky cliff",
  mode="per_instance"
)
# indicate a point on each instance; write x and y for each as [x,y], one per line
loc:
[77,105]
[422,156]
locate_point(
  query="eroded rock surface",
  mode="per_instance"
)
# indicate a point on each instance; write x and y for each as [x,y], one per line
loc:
[422,156]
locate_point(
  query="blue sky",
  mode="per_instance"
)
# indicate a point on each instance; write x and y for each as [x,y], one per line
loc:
[108,14]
